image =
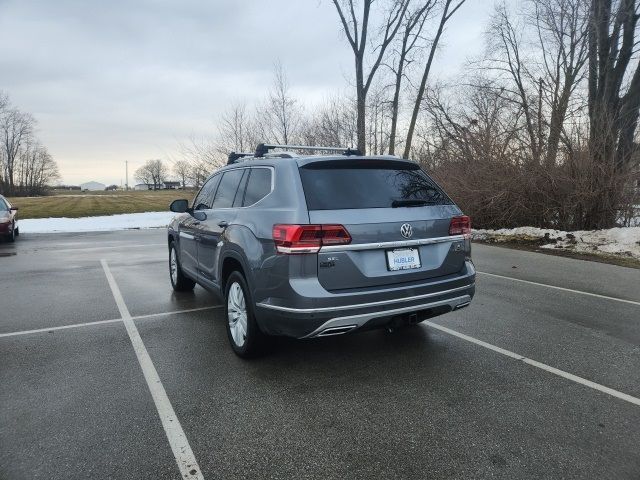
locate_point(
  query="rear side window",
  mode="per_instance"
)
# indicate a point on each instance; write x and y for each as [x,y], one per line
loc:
[344,184]
[227,189]
[258,186]
[204,199]
[237,202]
[3,205]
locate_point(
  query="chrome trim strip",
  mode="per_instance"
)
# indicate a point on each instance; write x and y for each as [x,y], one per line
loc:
[281,249]
[188,236]
[401,243]
[362,319]
[363,305]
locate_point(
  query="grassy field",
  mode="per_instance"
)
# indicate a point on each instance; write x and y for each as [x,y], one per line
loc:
[89,204]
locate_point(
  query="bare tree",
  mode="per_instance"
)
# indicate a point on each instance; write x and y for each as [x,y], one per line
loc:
[26,167]
[331,123]
[16,128]
[281,116]
[204,156]
[4,104]
[143,175]
[357,31]
[539,60]
[413,23]
[509,58]
[36,169]
[152,172]
[613,113]
[4,101]
[181,170]
[378,121]
[449,9]
[561,27]
[236,130]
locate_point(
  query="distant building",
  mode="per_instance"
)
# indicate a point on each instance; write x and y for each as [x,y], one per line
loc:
[92,186]
[143,186]
[170,185]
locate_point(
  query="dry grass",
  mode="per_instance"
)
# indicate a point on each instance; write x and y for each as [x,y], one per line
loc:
[89,204]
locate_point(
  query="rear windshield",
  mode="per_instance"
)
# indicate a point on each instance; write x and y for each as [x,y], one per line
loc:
[344,184]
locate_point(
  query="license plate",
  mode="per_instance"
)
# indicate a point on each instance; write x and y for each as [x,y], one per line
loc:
[403,259]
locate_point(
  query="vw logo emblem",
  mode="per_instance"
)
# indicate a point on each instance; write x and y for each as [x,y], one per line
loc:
[406,230]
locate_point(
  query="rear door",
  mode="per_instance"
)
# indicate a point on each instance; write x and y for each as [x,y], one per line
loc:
[397,216]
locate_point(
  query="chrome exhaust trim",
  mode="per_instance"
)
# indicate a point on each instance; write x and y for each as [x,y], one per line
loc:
[327,332]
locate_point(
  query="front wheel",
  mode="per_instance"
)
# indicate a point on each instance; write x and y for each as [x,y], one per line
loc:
[12,236]
[245,336]
[179,281]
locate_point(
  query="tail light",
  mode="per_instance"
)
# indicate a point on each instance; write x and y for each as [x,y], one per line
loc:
[308,238]
[460,225]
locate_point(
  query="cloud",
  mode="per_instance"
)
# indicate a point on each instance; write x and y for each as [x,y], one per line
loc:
[121,80]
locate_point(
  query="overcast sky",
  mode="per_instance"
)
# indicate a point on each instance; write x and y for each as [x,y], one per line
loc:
[117,80]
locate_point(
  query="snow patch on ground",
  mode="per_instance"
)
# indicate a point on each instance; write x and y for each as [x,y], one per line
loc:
[96,224]
[617,241]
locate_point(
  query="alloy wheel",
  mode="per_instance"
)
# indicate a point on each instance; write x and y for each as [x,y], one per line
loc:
[237,313]
[173,266]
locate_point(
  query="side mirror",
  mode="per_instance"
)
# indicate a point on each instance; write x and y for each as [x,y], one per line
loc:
[179,206]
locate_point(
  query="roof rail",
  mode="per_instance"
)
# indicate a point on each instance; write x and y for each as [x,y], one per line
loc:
[263,148]
[234,157]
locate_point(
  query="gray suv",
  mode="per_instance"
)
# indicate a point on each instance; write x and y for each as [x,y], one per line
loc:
[312,246]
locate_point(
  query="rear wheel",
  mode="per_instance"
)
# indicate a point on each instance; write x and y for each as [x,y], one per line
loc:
[179,281]
[245,336]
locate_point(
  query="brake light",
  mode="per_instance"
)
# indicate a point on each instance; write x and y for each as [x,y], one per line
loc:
[460,225]
[308,238]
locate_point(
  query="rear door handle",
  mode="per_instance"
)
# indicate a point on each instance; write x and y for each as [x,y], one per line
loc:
[223,224]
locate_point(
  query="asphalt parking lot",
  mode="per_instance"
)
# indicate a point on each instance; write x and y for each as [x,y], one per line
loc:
[538,378]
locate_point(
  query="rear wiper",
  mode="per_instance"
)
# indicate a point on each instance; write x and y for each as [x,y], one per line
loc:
[410,203]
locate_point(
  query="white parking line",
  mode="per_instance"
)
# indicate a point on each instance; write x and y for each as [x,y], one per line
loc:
[632,302]
[535,363]
[189,310]
[101,322]
[177,439]
[61,327]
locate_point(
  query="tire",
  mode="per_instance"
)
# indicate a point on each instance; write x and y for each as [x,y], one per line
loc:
[179,281]
[243,332]
[12,236]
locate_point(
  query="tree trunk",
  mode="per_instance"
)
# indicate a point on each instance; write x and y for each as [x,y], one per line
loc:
[558,115]
[446,15]
[361,99]
[612,118]
[395,107]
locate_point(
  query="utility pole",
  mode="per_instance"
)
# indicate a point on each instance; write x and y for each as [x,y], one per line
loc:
[126,168]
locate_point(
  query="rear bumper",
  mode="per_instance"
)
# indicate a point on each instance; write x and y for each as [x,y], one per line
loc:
[331,314]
